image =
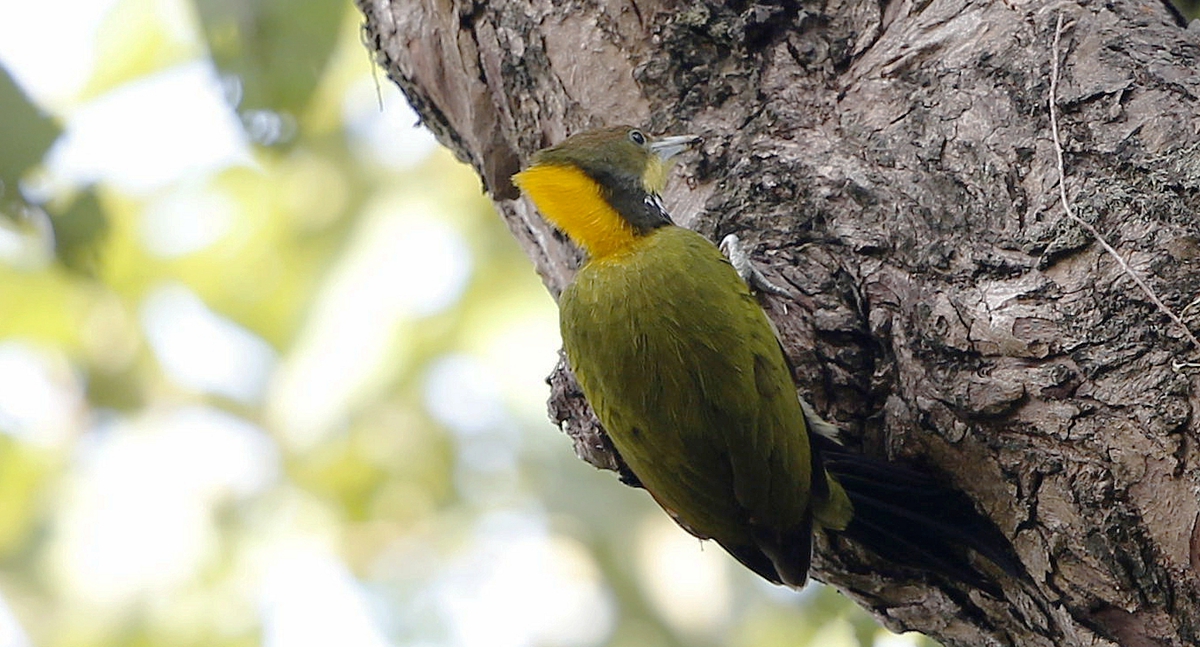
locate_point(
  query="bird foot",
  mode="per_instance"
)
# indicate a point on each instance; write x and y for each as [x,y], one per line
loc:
[731,247]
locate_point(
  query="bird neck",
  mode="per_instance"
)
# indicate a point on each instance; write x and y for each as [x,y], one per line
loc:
[577,205]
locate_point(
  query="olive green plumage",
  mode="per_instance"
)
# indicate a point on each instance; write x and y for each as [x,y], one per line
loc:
[686,374]
[684,371]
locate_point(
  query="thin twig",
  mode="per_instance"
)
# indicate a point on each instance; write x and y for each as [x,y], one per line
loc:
[1062,194]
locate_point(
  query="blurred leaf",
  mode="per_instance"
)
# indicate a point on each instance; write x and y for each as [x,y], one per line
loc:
[121,391]
[40,306]
[26,131]
[79,230]
[342,474]
[23,473]
[277,48]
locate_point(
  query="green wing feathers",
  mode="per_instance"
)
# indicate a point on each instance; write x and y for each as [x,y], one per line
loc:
[683,369]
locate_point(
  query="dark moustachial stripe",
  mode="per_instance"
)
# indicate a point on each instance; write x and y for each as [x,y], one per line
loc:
[626,195]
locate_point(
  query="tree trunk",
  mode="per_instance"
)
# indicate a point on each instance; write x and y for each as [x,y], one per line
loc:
[894,164]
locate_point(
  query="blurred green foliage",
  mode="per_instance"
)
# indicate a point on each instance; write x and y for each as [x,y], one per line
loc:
[277,52]
[26,131]
[297,398]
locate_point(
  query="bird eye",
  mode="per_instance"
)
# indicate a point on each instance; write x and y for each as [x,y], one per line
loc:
[637,137]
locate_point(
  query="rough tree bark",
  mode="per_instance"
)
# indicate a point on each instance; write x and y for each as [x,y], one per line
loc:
[893,163]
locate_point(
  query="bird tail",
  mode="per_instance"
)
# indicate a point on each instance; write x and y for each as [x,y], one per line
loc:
[910,518]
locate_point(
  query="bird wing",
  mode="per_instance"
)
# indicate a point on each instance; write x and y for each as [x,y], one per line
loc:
[682,368]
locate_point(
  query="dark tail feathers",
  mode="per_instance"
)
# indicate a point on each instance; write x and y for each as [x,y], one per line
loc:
[909,518]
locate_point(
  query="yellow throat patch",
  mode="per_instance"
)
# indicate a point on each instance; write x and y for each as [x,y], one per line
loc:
[572,202]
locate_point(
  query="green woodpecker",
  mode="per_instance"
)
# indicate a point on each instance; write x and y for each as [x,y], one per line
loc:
[687,376]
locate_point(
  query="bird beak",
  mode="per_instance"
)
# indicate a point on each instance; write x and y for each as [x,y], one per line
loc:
[668,147]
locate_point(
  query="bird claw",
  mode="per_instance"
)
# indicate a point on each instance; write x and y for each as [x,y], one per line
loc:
[818,425]
[731,247]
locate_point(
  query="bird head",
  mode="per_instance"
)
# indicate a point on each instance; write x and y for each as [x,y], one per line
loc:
[601,187]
